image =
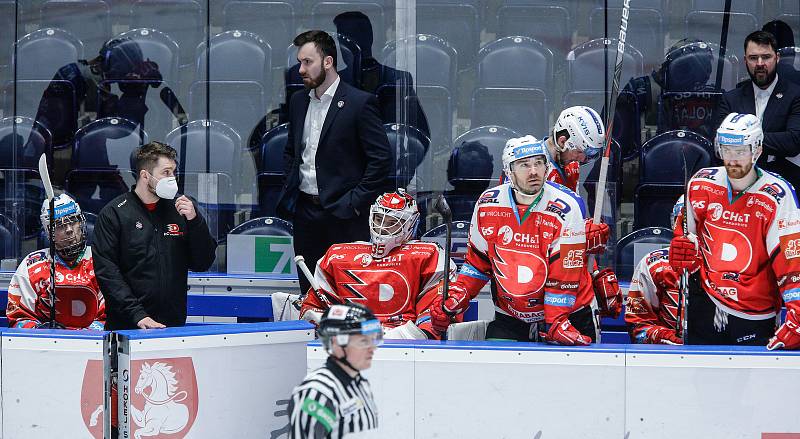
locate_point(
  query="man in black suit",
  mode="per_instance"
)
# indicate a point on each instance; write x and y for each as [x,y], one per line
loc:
[775,100]
[337,157]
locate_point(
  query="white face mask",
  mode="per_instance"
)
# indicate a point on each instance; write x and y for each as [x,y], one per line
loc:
[167,188]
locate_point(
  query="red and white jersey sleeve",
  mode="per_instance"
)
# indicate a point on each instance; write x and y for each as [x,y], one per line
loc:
[77,293]
[747,242]
[534,261]
[397,288]
[648,304]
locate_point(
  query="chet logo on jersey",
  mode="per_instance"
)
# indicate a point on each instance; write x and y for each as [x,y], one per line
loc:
[507,234]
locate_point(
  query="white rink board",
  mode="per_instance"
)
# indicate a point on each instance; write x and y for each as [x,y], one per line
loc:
[229,380]
[724,395]
[52,383]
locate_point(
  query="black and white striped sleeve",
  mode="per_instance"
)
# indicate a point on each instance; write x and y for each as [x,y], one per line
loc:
[313,411]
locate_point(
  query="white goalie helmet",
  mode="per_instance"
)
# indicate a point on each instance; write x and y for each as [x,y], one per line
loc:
[66,211]
[738,135]
[585,130]
[520,148]
[393,219]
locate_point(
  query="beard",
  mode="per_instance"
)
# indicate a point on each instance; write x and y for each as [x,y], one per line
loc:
[762,77]
[311,83]
[738,171]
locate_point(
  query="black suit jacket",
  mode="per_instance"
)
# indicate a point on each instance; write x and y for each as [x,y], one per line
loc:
[353,157]
[781,120]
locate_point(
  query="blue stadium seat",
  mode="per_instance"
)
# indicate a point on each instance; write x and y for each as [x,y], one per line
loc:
[41,53]
[752,7]
[667,162]
[470,168]
[52,103]
[102,149]
[43,240]
[788,7]
[21,195]
[88,20]
[521,109]
[183,20]
[646,239]
[239,81]
[270,171]
[494,138]
[690,111]
[206,146]
[549,23]
[645,28]
[265,225]
[22,141]
[586,65]
[789,65]
[159,48]
[707,25]
[409,146]
[688,68]
[458,239]
[274,22]
[9,239]
[520,62]
[323,13]
[454,21]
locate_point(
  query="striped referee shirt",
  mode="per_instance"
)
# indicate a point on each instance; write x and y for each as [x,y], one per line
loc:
[331,404]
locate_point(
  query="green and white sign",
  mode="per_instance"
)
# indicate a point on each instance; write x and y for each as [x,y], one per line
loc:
[257,254]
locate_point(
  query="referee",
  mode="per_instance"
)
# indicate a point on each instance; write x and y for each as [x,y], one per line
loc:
[335,401]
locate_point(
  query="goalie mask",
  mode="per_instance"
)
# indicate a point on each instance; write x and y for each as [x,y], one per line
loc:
[70,226]
[393,219]
[585,132]
[739,137]
[342,321]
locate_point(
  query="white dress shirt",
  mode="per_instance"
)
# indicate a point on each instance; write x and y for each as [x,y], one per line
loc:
[315,117]
[762,97]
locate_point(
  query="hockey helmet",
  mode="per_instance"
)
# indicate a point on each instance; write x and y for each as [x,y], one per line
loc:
[342,321]
[687,66]
[585,132]
[738,135]
[677,210]
[66,212]
[393,220]
[521,148]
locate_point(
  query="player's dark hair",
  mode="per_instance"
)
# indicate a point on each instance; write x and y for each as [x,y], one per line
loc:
[146,156]
[322,41]
[762,38]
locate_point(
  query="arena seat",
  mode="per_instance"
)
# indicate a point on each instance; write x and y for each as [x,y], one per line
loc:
[43,240]
[706,26]
[409,146]
[632,247]
[455,21]
[88,20]
[788,7]
[752,7]
[264,226]
[183,20]
[274,22]
[9,242]
[789,65]
[159,48]
[22,141]
[549,23]
[690,111]
[458,239]
[586,65]
[21,195]
[41,53]
[206,146]
[645,27]
[270,170]
[323,13]
[521,109]
[494,138]
[469,171]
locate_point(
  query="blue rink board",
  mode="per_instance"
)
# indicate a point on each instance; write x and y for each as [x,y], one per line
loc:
[216,329]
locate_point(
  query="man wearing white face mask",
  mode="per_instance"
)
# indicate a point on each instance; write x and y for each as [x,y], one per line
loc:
[145,243]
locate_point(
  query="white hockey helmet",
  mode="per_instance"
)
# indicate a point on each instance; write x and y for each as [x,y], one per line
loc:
[738,135]
[393,219]
[66,211]
[584,129]
[677,209]
[520,148]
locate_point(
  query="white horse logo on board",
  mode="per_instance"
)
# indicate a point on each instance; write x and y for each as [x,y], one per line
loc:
[162,411]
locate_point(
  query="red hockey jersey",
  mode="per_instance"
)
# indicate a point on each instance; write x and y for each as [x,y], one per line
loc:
[79,302]
[535,261]
[650,304]
[750,242]
[398,288]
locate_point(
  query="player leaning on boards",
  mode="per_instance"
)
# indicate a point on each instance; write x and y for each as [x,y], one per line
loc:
[744,231]
[393,275]
[652,305]
[335,401]
[528,237]
[28,292]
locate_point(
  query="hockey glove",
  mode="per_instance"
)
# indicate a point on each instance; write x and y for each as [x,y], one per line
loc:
[683,253]
[572,172]
[596,236]
[662,335]
[788,335]
[563,333]
[666,278]
[457,302]
[609,296]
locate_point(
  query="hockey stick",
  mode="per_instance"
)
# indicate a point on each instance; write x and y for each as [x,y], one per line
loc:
[443,208]
[51,231]
[683,288]
[322,296]
[611,109]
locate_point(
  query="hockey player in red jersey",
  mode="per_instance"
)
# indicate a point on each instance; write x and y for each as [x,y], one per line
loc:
[653,296]
[528,237]
[395,277]
[744,229]
[79,301]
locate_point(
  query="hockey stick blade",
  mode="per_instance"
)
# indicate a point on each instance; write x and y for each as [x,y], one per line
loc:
[45,175]
[443,208]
